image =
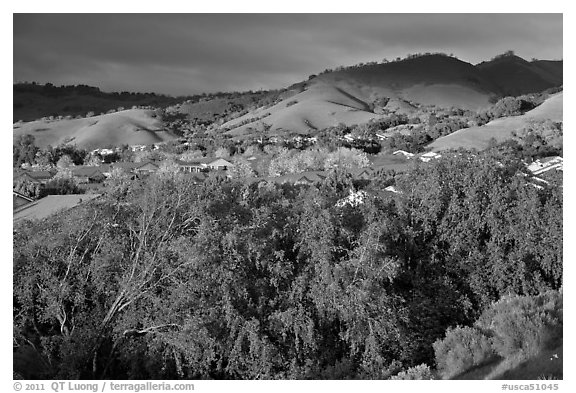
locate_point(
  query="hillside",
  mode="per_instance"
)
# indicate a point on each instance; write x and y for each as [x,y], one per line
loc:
[132,127]
[34,101]
[351,95]
[500,129]
[515,76]
[347,95]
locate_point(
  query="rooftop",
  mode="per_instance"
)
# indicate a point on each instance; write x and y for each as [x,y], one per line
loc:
[49,205]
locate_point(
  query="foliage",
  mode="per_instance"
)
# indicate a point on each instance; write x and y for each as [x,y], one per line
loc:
[163,278]
[24,150]
[462,349]
[61,184]
[28,188]
[420,372]
[524,324]
[64,162]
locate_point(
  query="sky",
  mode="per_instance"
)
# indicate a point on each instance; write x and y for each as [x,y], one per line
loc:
[184,54]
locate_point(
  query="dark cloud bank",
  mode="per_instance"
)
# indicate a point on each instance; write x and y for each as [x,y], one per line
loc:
[189,53]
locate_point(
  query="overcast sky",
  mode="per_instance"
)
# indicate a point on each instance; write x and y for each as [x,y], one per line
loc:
[183,54]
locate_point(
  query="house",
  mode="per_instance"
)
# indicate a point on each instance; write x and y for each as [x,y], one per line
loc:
[145,168]
[88,174]
[310,177]
[19,200]
[135,148]
[103,152]
[381,136]
[52,204]
[392,189]
[362,173]
[195,166]
[220,164]
[40,177]
[406,154]
[426,157]
[545,164]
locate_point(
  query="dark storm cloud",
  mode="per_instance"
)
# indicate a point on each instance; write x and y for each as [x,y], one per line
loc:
[187,53]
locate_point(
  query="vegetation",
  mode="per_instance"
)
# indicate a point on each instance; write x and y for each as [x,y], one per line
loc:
[162,278]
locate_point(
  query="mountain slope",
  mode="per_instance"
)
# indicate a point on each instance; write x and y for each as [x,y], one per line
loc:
[500,129]
[33,101]
[515,76]
[347,95]
[132,127]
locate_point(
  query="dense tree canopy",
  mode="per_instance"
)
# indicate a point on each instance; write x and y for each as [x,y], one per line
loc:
[166,279]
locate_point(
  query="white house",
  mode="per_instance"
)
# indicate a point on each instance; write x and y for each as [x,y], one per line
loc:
[403,153]
[220,164]
[546,164]
[429,156]
[392,189]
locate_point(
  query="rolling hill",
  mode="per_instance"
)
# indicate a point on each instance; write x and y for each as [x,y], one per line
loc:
[351,95]
[33,101]
[515,76]
[500,129]
[346,95]
[132,127]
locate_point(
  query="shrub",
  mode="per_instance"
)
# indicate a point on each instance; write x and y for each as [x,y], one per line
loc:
[461,349]
[524,325]
[420,372]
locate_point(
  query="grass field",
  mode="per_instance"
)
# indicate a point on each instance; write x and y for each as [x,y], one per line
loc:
[132,127]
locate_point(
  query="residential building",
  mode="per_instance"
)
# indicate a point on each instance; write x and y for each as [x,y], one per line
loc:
[52,204]
[19,200]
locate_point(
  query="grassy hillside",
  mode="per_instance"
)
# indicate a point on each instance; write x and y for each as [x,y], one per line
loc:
[500,129]
[346,96]
[351,95]
[132,127]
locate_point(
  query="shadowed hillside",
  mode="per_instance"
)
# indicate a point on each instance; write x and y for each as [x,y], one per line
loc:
[515,76]
[33,101]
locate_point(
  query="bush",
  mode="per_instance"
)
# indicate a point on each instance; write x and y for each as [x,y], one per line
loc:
[524,325]
[461,349]
[420,372]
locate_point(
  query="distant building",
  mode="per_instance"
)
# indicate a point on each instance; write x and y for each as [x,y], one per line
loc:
[19,200]
[145,168]
[52,204]
[406,154]
[88,174]
[39,177]
[392,189]
[362,173]
[220,164]
[195,166]
[545,164]
[310,177]
[429,156]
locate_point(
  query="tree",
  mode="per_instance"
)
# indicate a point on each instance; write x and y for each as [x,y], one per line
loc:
[93,160]
[64,162]
[241,169]
[24,150]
